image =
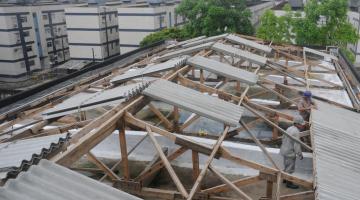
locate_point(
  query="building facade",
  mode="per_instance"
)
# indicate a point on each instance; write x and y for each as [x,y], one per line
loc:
[92,32]
[136,22]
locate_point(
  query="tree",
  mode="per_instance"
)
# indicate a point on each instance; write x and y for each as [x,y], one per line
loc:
[212,17]
[165,34]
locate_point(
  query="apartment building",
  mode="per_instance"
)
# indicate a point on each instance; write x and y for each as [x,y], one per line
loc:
[136,22]
[92,32]
[18,49]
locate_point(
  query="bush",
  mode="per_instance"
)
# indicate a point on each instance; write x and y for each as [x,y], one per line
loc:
[349,54]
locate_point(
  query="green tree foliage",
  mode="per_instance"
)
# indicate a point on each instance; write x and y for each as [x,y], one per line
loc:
[324,23]
[212,17]
[276,29]
[165,34]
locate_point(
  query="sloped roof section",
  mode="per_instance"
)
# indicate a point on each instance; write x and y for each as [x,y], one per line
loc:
[194,101]
[48,180]
[336,138]
[19,155]
[176,62]
[239,40]
[223,69]
[238,53]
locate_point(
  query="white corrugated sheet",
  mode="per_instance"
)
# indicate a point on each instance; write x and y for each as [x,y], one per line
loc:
[238,40]
[194,101]
[205,40]
[49,181]
[336,138]
[186,51]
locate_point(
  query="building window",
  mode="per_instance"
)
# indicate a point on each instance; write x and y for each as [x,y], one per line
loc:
[31,62]
[161,21]
[45,17]
[23,19]
[26,33]
[28,48]
[112,45]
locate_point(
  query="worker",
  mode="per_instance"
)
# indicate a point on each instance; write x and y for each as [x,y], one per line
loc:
[305,105]
[291,149]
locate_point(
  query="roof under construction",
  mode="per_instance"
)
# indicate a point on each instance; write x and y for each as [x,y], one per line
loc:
[217,104]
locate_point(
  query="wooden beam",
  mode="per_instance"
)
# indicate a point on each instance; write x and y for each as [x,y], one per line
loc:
[189,121]
[102,166]
[208,162]
[167,164]
[269,189]
[299,196]
[278,186]
[195,162]
[277,94]
[159,165]
[123,149]
[239,183]
[263,149]
[146,182]
[157,112]
[229,183]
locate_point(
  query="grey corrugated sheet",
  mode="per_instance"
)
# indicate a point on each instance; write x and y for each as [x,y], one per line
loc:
[194,101]
[223,69]
[186,51]
[205,40]
[238,53]
[14,154]
[49,181]
[88,101]
[336,138]
[176,62]
[239,40]
[186,41]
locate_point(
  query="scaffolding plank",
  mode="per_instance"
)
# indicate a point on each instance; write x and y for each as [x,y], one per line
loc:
[223,69]
[238,53]
[194,101]
[239,40]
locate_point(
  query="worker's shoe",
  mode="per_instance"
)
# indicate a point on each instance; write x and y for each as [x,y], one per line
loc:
[289,184]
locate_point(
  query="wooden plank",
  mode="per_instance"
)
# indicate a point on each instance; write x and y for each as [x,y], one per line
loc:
[269,189]
[239,183]
[146,182]
[102,166]
[123,149]
[208,162]
[278,186]
[277,94]
[189,121]
[167,164]
[229,183]
[159,165]
[157,112]
[299,196]
[195,162]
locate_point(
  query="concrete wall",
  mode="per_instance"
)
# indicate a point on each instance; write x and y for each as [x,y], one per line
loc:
[354,18]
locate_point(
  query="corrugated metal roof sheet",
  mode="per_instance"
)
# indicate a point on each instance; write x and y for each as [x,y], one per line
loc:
[49,181]
[336,138]
[223,69]
[205,40]
[85,101]
[19,154]
[194,101]
[186,51]
[246,55]
[238,40]
[186,41]
[176,62]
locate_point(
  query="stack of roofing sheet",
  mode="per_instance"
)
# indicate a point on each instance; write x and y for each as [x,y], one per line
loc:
[86,101]
[238,53]
[223,69]
[194,101]
[205,40]
[49,181]
[187,51]
[14,156]
[150,69]
[336,138]
[238,40]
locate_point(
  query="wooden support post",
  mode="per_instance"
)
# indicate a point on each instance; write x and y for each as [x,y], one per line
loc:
[123,149]
[269,189]
[208,162]
[167,164]
[195,162]
[176,119]
[238,86]
[102,166]
[275,132]
[146,182]
[278,186]
[229,183]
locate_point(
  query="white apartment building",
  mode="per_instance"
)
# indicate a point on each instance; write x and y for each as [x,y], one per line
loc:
[136,22]
[18,49]
[33,38]
[92,32]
